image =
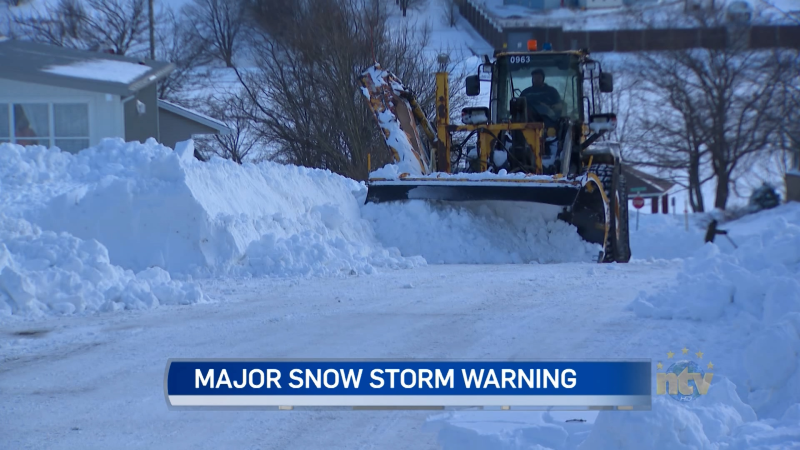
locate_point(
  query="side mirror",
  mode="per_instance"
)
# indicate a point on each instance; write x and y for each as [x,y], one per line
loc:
[599,123]
[475,115]
[606,82]
[473,85]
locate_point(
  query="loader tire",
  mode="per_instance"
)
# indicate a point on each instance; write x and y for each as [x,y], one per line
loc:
[617,247]
[622,244]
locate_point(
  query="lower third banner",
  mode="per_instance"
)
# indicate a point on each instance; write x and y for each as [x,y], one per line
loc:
[392,383]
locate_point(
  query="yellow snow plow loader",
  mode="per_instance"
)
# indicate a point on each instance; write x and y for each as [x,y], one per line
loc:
[531,143]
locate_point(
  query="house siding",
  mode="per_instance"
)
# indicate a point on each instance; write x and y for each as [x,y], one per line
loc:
[145,126]
[105,111]
[175,128]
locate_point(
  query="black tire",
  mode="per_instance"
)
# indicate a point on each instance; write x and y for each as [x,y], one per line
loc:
[622,246]
[617,248]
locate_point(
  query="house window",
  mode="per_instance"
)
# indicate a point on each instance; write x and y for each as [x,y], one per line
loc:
[64,125]
[32,124]
[71,126]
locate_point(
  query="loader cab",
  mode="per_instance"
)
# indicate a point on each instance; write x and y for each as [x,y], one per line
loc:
[512,75]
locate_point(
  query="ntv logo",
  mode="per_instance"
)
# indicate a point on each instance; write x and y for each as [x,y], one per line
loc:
[685,380]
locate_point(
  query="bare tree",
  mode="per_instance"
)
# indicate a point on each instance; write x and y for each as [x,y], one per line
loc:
[710,112]
[176,44]
[241,144]
[451,13]
[61,24]
[219,24]
[116,25]
[304,94]
[122,24]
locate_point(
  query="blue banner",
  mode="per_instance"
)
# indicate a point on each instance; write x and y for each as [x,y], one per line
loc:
[329,383]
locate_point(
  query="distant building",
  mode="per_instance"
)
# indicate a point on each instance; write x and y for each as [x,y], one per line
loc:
[594,4]
[72,99]
[793,178]
[587,4]
[540,4]
[645,185]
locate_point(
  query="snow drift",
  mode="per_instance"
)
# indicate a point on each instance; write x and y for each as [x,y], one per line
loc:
[152,207]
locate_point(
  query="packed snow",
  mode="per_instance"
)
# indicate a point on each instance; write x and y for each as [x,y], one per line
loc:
[101,70]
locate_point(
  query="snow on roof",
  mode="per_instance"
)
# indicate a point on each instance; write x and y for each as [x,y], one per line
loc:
[101,69]
[32,62]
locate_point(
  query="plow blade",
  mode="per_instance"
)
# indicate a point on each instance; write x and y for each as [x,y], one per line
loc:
[561,194]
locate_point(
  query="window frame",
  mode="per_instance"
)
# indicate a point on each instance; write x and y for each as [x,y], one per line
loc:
[49,140]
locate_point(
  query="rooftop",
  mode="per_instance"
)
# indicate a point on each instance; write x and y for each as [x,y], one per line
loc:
[78,69]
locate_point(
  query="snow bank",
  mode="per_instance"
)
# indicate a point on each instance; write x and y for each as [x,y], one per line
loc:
[717,420]
[714,421]
[478,232]
[759,278]
[756,287]
[154,207]
[56,273]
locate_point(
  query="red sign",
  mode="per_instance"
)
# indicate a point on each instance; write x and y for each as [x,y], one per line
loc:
[638,202]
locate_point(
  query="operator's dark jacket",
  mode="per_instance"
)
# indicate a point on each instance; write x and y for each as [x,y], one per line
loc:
[545,94]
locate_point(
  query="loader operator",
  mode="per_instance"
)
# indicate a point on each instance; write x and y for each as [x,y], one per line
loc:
[542,98]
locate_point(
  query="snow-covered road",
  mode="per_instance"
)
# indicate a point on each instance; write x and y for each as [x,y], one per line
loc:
[70,381]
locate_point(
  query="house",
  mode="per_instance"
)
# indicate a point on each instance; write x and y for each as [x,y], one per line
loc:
[555,4]
[644,185]
[72,99]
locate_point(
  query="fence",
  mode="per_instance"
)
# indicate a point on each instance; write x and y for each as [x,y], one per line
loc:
[631,40]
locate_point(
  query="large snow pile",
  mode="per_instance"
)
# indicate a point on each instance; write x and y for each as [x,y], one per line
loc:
[56,273]
[152,207]
[479,232]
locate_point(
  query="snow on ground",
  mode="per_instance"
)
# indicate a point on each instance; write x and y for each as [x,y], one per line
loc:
[124,208]
[152,207]
[51,401]
[735,308]
[109,228]
[55,273]
[479,232]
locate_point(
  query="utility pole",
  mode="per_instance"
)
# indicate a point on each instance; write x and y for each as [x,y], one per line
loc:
[152,29]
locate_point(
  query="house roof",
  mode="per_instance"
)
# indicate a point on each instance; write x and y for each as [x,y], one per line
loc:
[645,185]
[78,69]
[195,116]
